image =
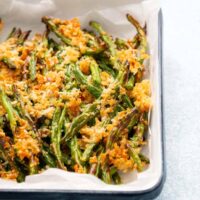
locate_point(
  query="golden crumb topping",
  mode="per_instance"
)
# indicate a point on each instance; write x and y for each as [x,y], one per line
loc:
[141,93]
[73,99]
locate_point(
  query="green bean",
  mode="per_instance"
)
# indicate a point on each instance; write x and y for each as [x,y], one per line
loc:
[10,35]
[93,46]
[23,37]
[126,100]
[95,73]
[75,151]
[33,169]
[109,42]
[48,158]
[138,136]
[21,168]
[130,83]
[107,39]
[21,176]
[57,124]
[68,72]
[67,159]
[32,66]
[141,33]
[106,177]
[135,142]
[115,133]
[1,122]
[9,109]
[88,151]
[133,122]
[21,109]
[15,33]
[52,44]
[116,178]
[95,91]
[104,67]
[143,158]
[9,162]
[121,44]
[94,49]
[107,172]
[135,157]
[136,41]
[8,62]
[51,26]
[98,168]
[81,120]
[3,156]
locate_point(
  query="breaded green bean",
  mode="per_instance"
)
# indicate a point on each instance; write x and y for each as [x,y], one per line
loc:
[9,109]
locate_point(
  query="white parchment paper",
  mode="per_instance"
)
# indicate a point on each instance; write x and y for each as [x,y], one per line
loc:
[112,15]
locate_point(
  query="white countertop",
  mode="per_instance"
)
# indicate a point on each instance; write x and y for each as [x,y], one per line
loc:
[181,78]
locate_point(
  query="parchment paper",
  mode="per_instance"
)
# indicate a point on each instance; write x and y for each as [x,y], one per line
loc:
[112,15]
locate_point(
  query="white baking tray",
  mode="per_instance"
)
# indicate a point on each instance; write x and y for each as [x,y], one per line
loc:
[111,14]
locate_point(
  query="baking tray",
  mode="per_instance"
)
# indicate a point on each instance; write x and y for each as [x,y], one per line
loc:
[149,193]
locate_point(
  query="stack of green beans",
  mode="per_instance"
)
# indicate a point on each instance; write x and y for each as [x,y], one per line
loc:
[64,146]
